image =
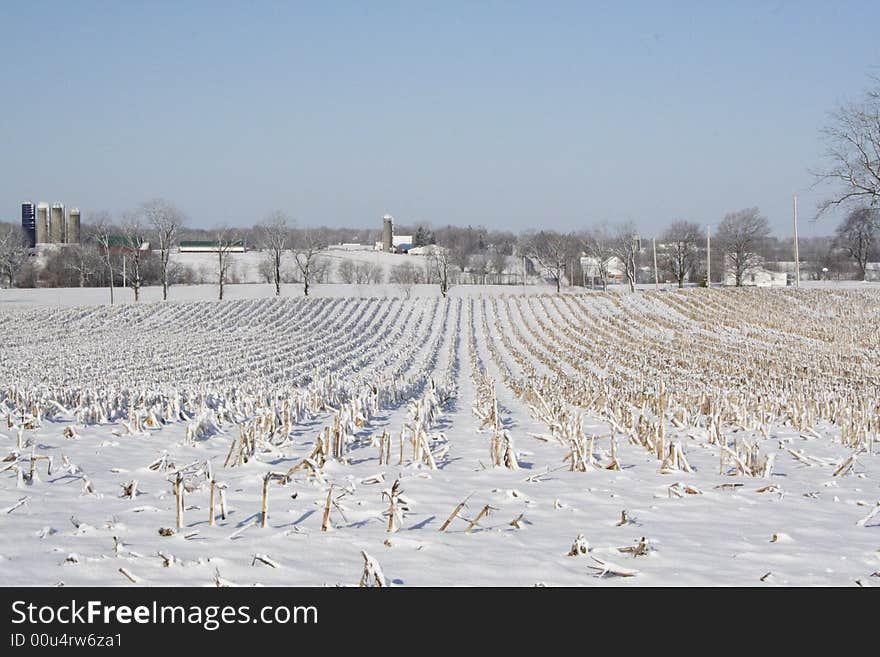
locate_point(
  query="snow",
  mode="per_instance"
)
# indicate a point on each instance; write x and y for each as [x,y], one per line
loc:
[245,267]
[801,524]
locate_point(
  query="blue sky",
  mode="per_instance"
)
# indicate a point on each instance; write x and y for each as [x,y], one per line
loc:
[506,114]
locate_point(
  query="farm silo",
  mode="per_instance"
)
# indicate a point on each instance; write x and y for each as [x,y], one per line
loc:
[73,226]
[387,232]
[29,223]
[56,224]
[42,223]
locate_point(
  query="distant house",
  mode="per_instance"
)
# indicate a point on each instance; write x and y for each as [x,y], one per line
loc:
[758,277]
[590,267]
[209,246]
[872,271]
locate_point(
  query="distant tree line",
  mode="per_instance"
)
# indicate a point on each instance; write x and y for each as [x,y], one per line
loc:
[114,254]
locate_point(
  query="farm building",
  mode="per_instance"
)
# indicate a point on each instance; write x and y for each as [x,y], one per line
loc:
[590,267]
[399,244]
[758,277]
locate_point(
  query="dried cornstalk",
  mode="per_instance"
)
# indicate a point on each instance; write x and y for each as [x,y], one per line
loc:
[395,519]
[477,519]
[454,513]
[372,575]
[579,547]
[178,500]
[326,517]
[211,504]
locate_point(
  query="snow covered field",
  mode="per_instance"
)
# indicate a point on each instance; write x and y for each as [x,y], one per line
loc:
[679,438]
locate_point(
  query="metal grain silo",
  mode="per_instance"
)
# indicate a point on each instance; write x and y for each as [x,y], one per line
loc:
[42,223]
[73,226]
[29,223]
[56,225]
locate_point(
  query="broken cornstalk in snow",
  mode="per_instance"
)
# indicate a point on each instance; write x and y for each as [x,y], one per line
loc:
[579,547]
[675,459]
[129,490]
[503,454]
[864,521]
[264,498]
[847,467]
[454,513]
[485,511]
[640,549]
[12,508]
[262,558]
[609,568]
[372,575]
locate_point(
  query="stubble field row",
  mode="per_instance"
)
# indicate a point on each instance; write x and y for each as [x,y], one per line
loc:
[698,437]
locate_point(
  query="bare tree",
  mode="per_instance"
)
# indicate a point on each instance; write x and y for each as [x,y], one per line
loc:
[372,272]
[740,234]
[266,271]
[102,227]
[13,252]
[856,234]
[134,248]
[626,246]
[551,250]
[347,272]
[680,251]
[479,266]
[405,273]
[166,221]
[853,152]
[462,245]
[225,239]
[307,244]
[597,245]
[84,260]
[321,270]
[437,268]
[497,264]
[274,235]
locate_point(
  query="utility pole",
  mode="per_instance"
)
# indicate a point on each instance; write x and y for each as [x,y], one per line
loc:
[797,262]
[656,273]
[708,256]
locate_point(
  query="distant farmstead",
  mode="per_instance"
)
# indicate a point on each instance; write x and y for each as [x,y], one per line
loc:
[208,246]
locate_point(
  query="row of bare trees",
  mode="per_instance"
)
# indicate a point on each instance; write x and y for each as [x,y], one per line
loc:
[679,249]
